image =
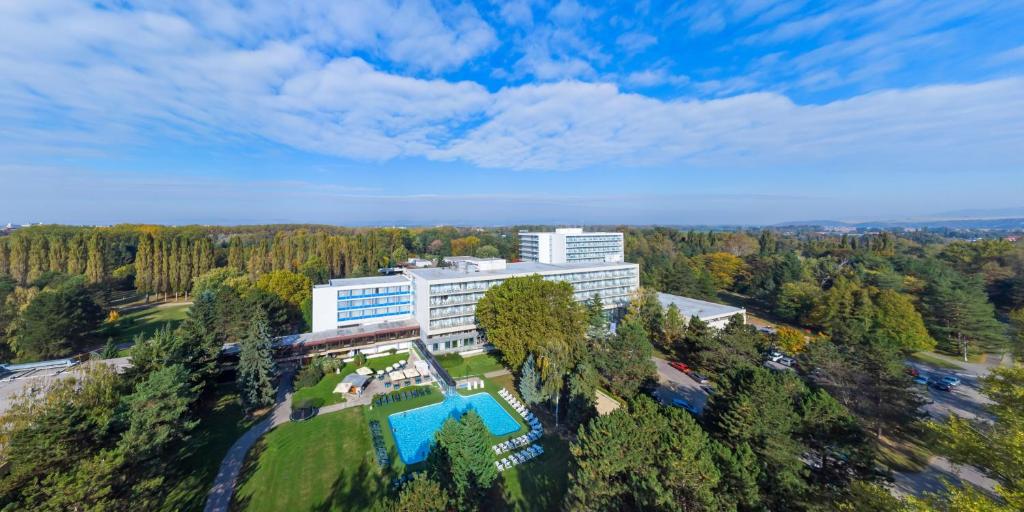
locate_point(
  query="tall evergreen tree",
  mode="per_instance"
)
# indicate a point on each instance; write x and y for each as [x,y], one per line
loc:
[529,383]
[256,368]
[462,457]
[960,314]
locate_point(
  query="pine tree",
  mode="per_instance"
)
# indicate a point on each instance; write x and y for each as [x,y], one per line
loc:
[256,368]
[110,350]
[463,458]
[529,383]
[960,314]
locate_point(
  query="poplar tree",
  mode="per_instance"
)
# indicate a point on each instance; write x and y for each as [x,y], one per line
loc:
[57,255]
[4,257]
[19,260]
[38,260]
[144,265]
[96,267]
[76,254]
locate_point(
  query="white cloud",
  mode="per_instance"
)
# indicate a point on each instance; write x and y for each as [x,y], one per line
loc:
[636,42]
[655,78]
[576,125]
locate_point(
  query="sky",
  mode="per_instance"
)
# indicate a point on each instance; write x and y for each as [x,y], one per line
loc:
[373,112]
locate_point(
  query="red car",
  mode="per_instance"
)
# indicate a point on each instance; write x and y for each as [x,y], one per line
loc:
[680,366]
[912,371]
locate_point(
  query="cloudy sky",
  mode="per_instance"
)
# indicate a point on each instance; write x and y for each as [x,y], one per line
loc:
[418,112]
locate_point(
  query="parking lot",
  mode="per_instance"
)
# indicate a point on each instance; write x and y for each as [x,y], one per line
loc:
[965,400]
[673,383]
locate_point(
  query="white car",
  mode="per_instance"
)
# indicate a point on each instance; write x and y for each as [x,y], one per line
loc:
[775,356]
[786,360]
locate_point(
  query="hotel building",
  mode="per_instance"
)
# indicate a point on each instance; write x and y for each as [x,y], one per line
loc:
[438,305]
[571,245]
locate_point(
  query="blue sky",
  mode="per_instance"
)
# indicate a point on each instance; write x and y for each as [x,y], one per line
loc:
[384,112]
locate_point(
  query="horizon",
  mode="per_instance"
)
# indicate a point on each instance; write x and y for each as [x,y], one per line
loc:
[564,112]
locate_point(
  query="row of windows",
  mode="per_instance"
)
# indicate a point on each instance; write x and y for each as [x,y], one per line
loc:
[379,301]
[372,313]
[381,290]
[445,323]
[601,238]
[575,277]
[468,309]
[605,283]
[465,342]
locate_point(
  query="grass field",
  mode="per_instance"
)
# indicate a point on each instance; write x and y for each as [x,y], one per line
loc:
[323,392]
[472,365]
[147,321]
[327,464]
[321,464]
[222,423]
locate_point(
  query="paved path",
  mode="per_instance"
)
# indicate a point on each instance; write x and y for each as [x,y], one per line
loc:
[219,497]
[933,477]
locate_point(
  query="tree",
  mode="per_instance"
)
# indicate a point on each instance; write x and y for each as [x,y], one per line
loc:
[897,320]
[57,322]
[96,264]
[755,406]
[624,360]
[110,350]
[723,267]
[526,315]
[673,328]
[488,251]
[293,288]
[421,494]
[597,320]
[256,369]
[529,383]
[316,270]
[959,313]
[464,246]
[463,458]
[157,416]
[645,457]
[790,340]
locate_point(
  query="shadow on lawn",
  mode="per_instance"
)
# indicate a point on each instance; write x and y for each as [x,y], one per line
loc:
[360,488]
[249,468]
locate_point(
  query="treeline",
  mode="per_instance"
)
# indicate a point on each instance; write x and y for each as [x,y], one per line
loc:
[958,291]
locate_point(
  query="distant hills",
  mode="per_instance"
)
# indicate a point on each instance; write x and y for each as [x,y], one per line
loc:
[951,223]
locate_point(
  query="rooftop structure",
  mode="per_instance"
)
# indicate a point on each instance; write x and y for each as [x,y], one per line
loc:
[571,245]
[716,315]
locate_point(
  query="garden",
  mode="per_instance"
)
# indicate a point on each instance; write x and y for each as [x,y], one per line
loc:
[314,385]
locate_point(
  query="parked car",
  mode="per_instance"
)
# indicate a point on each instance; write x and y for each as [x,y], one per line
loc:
[680,366]
[951,380]
[699,378]
[683,404]
[940,385]
[786,360]
[775,356]
[912,371]
[921,379]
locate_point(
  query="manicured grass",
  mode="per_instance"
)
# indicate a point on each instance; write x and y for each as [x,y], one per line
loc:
[325,463]
[147,321]
[536,485]
[323,392]
[936,361]
[223,422]
[472,365]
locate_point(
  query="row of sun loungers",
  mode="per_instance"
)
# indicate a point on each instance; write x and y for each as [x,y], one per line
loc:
[521,409]
[520,441]
[519,457]
[378,445]
[399,396]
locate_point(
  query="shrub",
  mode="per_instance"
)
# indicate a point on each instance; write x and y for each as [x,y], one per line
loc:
[450,359]
[360,359]
[309,376]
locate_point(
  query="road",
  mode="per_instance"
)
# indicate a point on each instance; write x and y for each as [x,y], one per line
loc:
[673,383]
[965,400]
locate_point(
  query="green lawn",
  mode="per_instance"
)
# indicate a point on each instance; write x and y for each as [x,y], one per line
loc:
[147,321]
[472,365]
[323,392]
[327,463]
[222,423]
[324,464]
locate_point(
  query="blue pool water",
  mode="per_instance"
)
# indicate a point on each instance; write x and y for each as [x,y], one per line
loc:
[414,429]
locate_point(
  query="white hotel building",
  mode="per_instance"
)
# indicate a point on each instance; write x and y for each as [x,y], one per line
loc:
[439,304]
[571,245]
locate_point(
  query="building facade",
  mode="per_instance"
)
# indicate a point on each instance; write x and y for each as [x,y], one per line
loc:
[441,301]
[571,245]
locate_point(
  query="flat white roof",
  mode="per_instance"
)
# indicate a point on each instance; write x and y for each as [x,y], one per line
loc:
[570,233]
[695,307]
[512,269]
[365,281]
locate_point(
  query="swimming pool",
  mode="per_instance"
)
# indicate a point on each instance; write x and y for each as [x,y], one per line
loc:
[414,429]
